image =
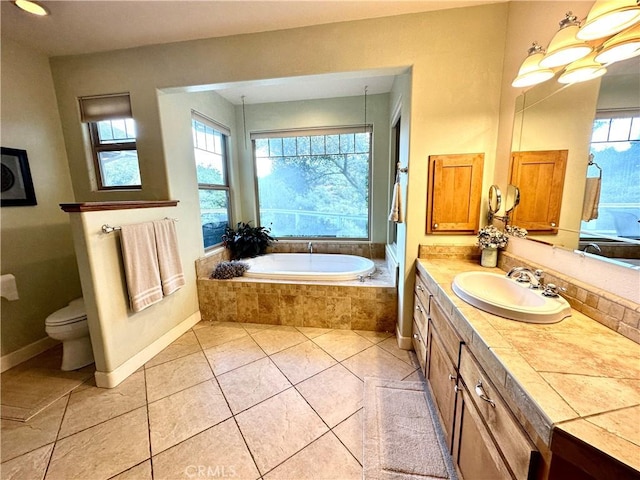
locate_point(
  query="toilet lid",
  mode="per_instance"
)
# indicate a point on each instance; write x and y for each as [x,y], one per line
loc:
[74,312]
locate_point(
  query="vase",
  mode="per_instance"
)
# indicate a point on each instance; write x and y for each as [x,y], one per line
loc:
[489,257]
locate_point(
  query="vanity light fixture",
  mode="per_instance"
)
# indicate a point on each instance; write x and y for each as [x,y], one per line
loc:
[32,7]
[531,73]
[608,17]
[624,45]
[582,70]
[565,47]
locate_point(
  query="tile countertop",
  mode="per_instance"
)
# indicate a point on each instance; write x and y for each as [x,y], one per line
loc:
[576,375]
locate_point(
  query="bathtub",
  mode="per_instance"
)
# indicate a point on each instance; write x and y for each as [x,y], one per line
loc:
[309,266]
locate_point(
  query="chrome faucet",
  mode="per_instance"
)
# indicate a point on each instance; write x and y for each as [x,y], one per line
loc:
[523,274]
[310,247]
[595,246]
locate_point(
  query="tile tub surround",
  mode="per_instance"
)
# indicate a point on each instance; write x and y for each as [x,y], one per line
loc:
[576,375]
[289,406]
[352,305]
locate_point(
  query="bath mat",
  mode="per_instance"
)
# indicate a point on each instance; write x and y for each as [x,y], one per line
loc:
[31,387]
[401,440]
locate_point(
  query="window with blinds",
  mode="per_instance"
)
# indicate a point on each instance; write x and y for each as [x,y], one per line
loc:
[112,131]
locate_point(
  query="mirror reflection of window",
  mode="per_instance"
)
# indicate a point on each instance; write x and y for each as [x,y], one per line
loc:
[615,146]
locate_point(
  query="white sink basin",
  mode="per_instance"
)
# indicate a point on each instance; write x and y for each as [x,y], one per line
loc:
[497,294]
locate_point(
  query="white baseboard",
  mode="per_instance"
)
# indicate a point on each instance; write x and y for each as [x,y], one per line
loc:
[405,343]
[115,377]
[25,353]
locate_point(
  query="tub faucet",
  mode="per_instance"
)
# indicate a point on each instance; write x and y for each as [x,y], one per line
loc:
[310,247]
[523,274]
[595,246]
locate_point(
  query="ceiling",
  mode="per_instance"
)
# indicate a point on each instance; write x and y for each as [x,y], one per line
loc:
[77,27]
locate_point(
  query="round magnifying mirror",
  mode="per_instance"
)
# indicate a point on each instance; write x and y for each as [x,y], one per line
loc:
[512,199]
[495,199]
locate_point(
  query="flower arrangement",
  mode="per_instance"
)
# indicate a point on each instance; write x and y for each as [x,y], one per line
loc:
[516,231]
[227,270]
[491,237]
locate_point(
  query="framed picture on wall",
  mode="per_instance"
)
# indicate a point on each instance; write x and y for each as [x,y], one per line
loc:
[17,186]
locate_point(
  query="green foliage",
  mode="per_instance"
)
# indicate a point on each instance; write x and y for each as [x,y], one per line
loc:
[246,241]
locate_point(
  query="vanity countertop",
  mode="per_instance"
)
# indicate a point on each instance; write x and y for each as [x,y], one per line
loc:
[576,376]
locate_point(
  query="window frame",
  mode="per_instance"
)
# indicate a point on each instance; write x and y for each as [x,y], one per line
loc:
[316,131]
[226,186]
[98,147]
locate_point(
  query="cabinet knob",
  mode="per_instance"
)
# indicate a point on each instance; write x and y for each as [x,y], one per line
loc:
[553,224]
[417,337]
[419,288]
[452,377]
[482,394]
[435,225]
[419,308]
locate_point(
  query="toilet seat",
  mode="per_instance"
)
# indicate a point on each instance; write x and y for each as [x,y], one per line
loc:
[73,313]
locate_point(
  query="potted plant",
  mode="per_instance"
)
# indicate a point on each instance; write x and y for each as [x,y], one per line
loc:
[246,241]
[490,239]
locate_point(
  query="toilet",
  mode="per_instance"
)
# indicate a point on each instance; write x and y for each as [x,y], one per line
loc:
[69,325]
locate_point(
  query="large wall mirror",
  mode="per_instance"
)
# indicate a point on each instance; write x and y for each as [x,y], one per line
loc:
[552,116]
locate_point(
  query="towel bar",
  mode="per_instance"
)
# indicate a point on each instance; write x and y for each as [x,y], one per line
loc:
[109,229]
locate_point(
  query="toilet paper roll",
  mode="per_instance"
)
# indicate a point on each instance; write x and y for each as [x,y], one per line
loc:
[8,287]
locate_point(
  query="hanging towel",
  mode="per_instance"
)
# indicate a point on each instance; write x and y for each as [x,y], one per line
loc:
[396,204]
[168,256]
[141,265]
[591,199]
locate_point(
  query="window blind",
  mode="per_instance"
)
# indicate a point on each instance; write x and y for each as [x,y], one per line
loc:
[105,107]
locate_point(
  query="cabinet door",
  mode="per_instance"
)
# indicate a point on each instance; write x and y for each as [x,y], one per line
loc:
[454,190]
[441,375]
[540,178]
[474,452]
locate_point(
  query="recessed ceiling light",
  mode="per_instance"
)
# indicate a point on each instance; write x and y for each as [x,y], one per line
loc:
[31,7]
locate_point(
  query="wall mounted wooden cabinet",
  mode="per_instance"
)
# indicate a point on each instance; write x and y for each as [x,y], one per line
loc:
[454,191]
[540,178]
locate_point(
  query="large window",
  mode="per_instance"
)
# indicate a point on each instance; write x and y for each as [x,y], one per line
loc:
[210,142]
[112,131]
[314,183]
[615,146]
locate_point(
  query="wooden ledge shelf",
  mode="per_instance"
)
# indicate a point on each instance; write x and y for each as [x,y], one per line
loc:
[121,205]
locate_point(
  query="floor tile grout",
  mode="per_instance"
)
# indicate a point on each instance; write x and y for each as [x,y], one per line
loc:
[233,415]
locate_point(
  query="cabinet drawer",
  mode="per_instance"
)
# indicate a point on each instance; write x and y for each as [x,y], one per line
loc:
[419,346]
[423,292]
[512,441]
[420,316]
[448,335]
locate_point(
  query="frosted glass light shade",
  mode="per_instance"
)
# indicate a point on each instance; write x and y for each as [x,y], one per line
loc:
[565,48]
[531,73]
[582,70]
[624,45]
[608,17]
[31,7]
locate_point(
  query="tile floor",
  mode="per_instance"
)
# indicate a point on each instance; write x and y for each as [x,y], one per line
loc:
[225,400]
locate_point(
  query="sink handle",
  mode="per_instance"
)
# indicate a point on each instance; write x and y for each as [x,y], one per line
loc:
[482,394]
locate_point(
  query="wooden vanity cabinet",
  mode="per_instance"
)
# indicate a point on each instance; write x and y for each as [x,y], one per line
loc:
[483,436]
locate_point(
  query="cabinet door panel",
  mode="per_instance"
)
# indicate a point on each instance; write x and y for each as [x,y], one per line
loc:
[474,453]
[419,346]
[454,190]
[441,374]
[540,178]
[516,448]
